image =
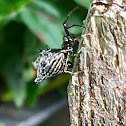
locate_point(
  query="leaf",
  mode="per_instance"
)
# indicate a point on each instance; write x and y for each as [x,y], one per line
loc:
[47,29]
[44,6]
[2,124]
[9,9]
[53,83]
[13,75]
[31,44]
[11,65]
[84,3]
[32,89]
[7,6]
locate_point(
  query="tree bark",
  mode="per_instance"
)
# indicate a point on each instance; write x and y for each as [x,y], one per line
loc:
[97,90]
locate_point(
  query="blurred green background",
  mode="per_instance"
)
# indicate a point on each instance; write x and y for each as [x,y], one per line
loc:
[25,26]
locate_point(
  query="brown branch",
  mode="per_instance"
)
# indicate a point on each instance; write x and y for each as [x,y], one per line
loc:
[97,91]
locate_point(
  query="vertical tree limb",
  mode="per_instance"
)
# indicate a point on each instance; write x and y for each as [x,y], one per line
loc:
[97,91]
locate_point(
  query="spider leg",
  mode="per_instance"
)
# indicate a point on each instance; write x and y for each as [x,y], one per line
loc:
[68,72]
[70,14]
[47,47]
[68,65]
[64,23]
[74,55]
[68,27]
[39,50]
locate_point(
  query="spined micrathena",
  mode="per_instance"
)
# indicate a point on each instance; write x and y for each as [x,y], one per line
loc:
[52,62]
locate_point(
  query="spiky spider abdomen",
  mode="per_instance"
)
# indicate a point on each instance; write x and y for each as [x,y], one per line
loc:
[53,63]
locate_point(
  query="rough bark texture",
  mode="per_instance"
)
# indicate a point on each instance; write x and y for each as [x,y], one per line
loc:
[97,91]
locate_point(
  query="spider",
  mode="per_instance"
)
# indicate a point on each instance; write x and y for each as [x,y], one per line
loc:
[52,62]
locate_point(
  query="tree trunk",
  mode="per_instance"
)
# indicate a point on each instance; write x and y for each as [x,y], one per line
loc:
[97,91]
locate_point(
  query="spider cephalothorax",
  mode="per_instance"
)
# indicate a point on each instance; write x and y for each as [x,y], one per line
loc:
[52,62]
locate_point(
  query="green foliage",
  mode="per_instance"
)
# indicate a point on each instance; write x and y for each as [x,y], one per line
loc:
[13,75]
[26,26]
[45,27]
[2,124]
[31,92]
[9,8]
[84,3]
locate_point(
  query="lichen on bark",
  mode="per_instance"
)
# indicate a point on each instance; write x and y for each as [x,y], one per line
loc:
[97,90]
